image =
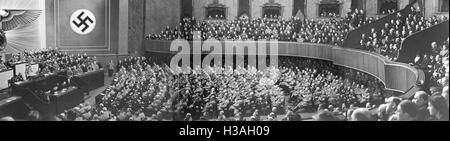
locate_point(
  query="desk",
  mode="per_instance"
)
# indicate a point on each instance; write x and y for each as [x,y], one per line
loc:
[5,76]
[67,99]
[44,83]
[90,80]
[58,102]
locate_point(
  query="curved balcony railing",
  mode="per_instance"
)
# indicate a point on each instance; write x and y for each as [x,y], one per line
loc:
[396,76]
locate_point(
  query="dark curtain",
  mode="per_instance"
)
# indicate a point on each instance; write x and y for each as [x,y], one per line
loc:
[272,11]
[357,4]
[443,6]
[386,5]
[186,8]
[329,8]
[244,7]
[421,4]
[216,13]
[299,5]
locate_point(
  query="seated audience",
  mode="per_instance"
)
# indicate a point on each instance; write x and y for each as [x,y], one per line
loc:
[325,116]
[392,104]
[387,40]
[382,113]
[438,108]
[53,61]
[362,114]
[331,31]
[2,65]
[139,87]
[407,111]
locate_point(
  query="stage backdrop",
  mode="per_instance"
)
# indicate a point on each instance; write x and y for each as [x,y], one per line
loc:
[70,39]
[80,26]
[31,36]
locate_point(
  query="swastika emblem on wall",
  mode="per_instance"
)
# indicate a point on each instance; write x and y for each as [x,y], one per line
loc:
[82,21]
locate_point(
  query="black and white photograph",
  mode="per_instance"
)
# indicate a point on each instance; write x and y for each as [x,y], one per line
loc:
[224,61]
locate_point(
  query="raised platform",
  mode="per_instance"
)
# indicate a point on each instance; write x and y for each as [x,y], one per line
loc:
[73,96]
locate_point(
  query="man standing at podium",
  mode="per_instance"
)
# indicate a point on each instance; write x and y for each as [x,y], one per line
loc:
[2,48]
[2,66]
[2,45]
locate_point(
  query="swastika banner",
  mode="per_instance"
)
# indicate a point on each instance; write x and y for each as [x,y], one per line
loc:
[82,24]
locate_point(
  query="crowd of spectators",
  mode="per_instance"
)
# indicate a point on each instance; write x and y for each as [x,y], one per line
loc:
[324,31]
[387,40]
[144,92]
[53,61]
[327,86]
[2,66]
[431,105]
[435,64]
[423,107]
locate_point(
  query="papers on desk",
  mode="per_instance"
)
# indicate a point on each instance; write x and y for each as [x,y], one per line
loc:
[11,99]
[20,68]
[64,91]
[8,100]
[20,82]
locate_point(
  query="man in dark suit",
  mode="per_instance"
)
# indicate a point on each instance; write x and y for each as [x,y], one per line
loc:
[426,61]
[2,66]
[407,111]
[421,100]
[84,68]
[435,49]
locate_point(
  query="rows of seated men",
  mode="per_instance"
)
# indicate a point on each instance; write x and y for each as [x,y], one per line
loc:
[53,61]
[326,31]
[387,40]
[141,91]
[436,65]
[55,68]
[423,107]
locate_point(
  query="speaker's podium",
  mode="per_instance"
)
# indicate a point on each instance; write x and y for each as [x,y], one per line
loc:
[52,102]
